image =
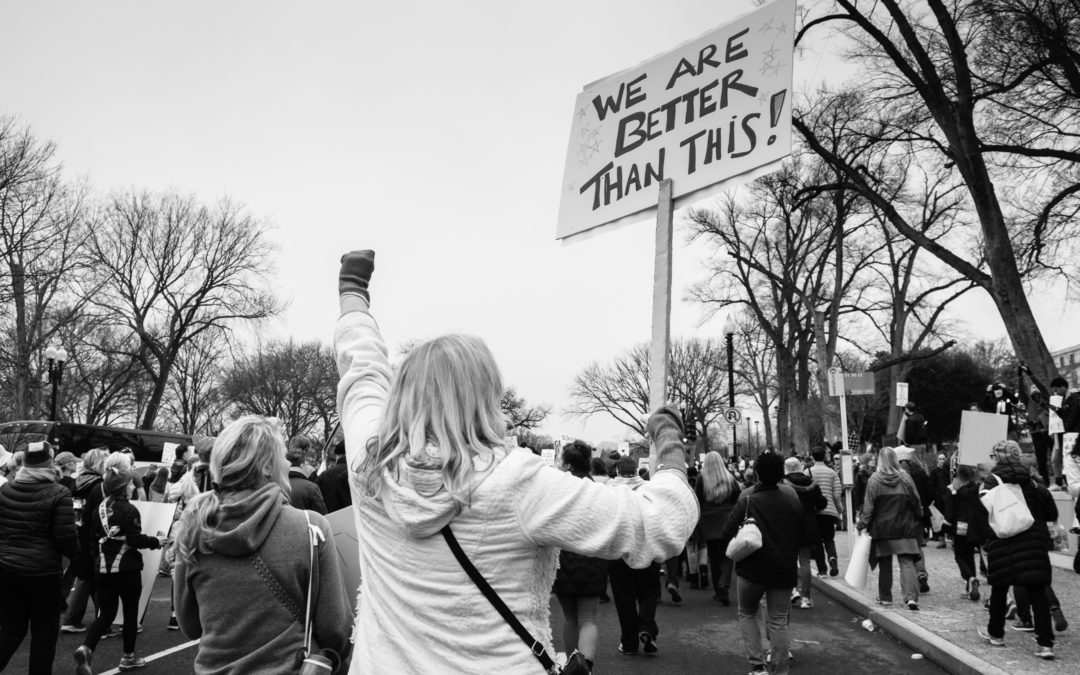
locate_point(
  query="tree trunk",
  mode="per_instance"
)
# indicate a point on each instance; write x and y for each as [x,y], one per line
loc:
[153,404]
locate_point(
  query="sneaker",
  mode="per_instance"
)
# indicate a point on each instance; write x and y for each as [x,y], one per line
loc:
[627,652]
[884,602]
[924,584]
[806,603]
[175,625]
[834,570]
[1024,626]
[986,606]
[822,575]
[1060,624]
[993,641]
[1056,488]
[722,596]
[674,591]
[131,662]
[84,661]
[1046,653]
[912,605]
[795,597]
[974,594]
[649,642]
[73,628]
[112,632]
[1010,609]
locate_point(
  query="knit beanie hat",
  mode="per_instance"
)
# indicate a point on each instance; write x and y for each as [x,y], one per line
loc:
[38,455]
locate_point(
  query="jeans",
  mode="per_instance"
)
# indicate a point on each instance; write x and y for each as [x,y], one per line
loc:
[719,564]
[804,571]
[1040,611]
[827,527]
[29,603]
[111,590]
[964,553]
[635,594]
[778,603]
[77,601]
[908,585]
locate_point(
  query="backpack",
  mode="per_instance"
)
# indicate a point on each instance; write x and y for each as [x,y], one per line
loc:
[1007,508]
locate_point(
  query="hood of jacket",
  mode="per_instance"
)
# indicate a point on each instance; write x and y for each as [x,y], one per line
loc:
[633,481]
[890,479]
[1012,472]
[87,481]
[800,481]
[416,497]
[245,520]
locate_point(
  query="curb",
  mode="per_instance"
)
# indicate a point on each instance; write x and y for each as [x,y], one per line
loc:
[934,648]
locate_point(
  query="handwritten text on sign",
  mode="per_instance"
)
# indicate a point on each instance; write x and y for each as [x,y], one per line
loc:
[714,108]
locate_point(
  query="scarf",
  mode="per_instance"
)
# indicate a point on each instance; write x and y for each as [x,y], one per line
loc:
[46,474]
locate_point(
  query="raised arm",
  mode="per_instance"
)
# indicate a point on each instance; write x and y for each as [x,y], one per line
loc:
[362,359]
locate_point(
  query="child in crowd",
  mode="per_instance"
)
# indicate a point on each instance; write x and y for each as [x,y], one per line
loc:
[962,508]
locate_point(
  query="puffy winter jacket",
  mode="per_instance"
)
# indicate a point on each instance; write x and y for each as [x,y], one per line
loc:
[1023,559]
[37,526]
[831,488]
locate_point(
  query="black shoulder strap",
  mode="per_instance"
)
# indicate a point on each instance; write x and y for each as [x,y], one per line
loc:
[534,645]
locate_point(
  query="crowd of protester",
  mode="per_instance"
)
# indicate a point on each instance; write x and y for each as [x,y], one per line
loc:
[425,463]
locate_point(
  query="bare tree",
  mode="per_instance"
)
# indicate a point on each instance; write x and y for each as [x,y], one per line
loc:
[170,269]
[520,416]
[935,82]
[193,401]
[42,229]
[697,381]
[101,377]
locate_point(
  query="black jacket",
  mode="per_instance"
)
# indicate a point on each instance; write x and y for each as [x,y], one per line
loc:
[1023,559]
[334,486]
[37,526]
[305,494]
[779,515]
[913,427]
[88,495]
[858,491]
[812,501]
[964,507]
[924,487]
[119,552]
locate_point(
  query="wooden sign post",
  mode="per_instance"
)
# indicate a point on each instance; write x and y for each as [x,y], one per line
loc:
[661,305]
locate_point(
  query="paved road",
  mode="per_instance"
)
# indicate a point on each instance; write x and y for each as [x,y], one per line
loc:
[698,636]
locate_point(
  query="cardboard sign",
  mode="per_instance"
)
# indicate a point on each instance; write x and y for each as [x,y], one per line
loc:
[1055,425]
[713,109]
[547,455]
[979,431]
[624,448]
[901,394]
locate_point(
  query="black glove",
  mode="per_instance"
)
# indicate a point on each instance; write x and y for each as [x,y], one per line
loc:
[356,269]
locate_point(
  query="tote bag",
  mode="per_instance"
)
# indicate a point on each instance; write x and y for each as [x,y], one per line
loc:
[1009,512]
[748,539]
[858,569]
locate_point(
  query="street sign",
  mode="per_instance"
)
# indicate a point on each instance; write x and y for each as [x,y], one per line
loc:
[850,384]
[901,394]
[836,381]
[733,416]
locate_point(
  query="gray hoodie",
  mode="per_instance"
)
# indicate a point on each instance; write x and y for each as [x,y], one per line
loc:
[222,600]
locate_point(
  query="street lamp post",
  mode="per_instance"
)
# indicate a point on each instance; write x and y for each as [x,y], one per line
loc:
[757,435]
[56,357]
[729,333]
[749,446]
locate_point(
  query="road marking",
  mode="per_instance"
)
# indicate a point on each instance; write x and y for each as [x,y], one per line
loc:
[155,657]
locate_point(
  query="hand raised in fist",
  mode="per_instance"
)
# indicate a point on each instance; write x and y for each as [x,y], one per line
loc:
[355,273]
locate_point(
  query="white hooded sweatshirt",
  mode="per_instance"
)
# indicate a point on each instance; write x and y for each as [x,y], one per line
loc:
[419,612]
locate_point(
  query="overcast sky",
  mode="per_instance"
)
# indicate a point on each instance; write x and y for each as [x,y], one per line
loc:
[433,132]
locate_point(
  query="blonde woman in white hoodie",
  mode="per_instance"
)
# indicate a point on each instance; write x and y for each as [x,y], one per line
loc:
[426,448]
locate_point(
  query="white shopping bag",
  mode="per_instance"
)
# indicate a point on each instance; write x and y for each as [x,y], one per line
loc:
[858,569]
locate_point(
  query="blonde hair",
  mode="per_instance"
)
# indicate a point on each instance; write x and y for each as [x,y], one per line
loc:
[443,411]
[716,481]
[94,460]
[887,464]
[248,454]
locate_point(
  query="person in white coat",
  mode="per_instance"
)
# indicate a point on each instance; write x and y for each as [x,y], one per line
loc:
[427,448]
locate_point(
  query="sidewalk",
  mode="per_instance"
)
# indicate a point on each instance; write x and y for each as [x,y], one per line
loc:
[944,628]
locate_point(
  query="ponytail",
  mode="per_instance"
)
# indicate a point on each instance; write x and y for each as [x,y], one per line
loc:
[196,520]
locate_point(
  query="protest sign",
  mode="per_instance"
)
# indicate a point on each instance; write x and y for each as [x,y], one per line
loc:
[547,455]
[714,109]
[168,453]
[979,431]
[155,518]
[901,394]
[1056,425]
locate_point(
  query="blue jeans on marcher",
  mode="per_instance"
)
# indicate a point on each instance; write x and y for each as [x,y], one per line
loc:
[778,606]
